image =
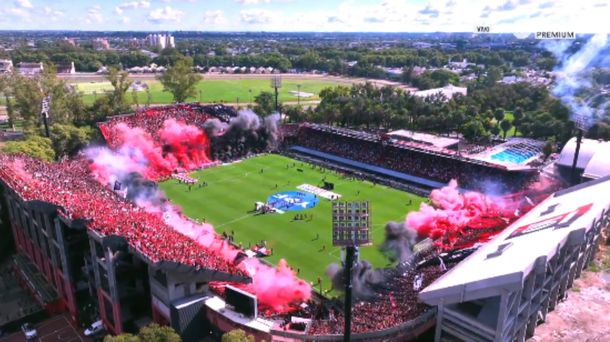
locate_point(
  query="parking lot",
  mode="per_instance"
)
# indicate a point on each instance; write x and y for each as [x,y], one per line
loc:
[55,329]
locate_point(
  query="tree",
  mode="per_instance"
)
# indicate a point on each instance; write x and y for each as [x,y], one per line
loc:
[499,114]
[122,338]
[265,103]
[28,93]
[518,118]
[34,146]
[237,335]
[473,130]
[5,90]
[494,74]
[120,83]
[156,333]
[549,147]
[150,333]
[134,98]
[69,139]
[506,125]
[295,114]
[180,80]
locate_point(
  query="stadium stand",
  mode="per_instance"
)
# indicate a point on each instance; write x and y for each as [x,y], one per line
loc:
[504,289]
[409,158]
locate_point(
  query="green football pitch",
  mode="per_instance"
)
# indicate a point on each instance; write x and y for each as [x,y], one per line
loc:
[216,90]
[233,189]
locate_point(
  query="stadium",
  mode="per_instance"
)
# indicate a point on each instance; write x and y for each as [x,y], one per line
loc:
[209,219]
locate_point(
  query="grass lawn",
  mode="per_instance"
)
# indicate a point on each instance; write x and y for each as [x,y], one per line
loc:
[233,190]
[215,90]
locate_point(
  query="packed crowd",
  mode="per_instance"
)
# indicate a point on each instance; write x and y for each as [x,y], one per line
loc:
[151,120]
[417,163]
[397,303]
[68,184]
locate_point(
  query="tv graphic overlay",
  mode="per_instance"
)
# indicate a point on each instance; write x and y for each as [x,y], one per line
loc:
[555,222]
[292,200]
[351,222]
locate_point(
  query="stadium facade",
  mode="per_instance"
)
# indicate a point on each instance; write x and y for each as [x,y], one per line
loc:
[72,264]
[501,292]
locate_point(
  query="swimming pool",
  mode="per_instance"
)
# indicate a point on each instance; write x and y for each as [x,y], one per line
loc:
[513,156]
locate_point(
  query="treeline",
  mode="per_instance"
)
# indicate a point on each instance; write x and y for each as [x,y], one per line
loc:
[484,113]
[364,61]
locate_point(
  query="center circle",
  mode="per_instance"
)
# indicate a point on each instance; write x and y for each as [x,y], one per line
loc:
[292,200]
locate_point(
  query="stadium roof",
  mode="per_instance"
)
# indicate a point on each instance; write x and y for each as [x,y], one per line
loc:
[503,263]
[593,158]
[430,139]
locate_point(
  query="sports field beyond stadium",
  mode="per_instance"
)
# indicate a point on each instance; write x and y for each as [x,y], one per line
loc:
[217,90]
[228,200]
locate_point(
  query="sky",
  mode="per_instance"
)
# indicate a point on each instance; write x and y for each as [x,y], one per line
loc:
[502,16]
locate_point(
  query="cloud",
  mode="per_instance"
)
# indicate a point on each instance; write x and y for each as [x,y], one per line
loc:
[166,13]
[214,17]
[548,4]
[334,19]
[256,16]
[23,3]
[253,2]
[507,6]
[374,20]
[51,13]
[17,13]
[429,11]
[94,15]
[131,5]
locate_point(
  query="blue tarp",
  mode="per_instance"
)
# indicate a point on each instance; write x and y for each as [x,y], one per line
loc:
[369,167]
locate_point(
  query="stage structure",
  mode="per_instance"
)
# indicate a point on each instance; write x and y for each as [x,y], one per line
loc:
[351,222]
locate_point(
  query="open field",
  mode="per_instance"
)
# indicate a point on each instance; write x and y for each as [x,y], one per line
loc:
[233,189]
[230,90]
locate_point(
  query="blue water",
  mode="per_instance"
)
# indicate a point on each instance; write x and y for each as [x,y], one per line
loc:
[513,156]
[293,200]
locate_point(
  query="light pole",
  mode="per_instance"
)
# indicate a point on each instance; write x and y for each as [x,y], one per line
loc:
[276,83]
[351,222]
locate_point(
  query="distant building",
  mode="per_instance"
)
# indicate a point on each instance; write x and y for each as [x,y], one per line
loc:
[101,44]
[510,79]
[70,41]
[161,41]
[30,68]
[448,91]
[66,68]
[422,45]
[6,66]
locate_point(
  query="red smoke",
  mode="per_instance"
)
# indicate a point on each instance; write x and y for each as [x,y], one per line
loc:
[277,288]
[179,146]
[455,220]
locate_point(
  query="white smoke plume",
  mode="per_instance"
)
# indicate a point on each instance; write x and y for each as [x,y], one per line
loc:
[574,77]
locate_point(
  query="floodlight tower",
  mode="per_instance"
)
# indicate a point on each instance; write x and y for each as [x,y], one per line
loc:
[351,222]
[580,122]
[44,113]
[276,83]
